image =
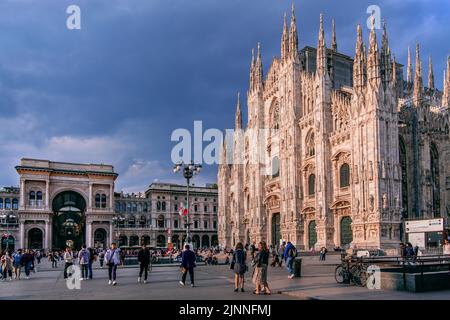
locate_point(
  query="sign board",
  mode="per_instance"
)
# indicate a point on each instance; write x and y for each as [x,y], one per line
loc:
[417,239]
[430,225]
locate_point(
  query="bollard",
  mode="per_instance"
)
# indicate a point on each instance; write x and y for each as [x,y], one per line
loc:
[297,266]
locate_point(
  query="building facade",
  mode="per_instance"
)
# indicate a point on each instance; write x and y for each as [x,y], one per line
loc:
[353,149]
[60,203]
[153,217]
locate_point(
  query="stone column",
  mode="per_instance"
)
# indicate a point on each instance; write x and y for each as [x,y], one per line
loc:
[89,234]
[22,235]
[22,194]
[111,198]
[111,235]
[47,195]
[46,236]
[90,196]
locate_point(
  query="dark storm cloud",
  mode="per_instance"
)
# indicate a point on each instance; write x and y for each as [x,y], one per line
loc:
[114,91]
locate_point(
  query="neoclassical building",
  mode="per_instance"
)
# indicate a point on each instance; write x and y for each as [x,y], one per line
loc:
[59,202]
[353,149]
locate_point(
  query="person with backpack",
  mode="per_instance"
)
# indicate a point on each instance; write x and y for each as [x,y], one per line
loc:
[144,261]
[17,257]
[101,257]
[92,258]
[289,254]
[112,258]
[83,261]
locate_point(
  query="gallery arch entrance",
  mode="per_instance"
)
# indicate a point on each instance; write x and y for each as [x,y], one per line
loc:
[69,220]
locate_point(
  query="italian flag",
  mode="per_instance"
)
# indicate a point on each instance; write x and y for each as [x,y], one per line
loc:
[183,210]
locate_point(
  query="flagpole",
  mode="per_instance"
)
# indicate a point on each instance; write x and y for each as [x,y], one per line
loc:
[188,239]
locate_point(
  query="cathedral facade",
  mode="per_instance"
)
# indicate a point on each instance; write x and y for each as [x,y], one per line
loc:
[353,149]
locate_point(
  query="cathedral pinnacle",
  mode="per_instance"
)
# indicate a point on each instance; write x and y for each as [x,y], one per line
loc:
[418,81]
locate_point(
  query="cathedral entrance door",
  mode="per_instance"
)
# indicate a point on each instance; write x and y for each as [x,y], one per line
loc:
[276,234]
[346,231]
[312,234]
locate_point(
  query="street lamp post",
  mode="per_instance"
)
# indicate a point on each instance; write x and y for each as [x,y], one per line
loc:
[118,220]
[189,170]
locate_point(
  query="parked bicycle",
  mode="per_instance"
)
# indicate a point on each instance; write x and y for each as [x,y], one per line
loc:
[351,270]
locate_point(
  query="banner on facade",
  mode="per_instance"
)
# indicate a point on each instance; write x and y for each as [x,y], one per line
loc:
[430,225]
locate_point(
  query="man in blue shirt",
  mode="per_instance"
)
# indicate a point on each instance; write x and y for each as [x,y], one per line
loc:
[188,265]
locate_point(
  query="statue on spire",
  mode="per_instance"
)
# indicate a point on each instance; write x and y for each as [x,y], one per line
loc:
[333,36]
[284,41]
[418,82]
[430,74]
[293,35]
[238,123]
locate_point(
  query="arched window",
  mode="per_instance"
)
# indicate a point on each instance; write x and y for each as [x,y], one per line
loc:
[163,206]
[97,200]
[161,221]
[275,167]
[124,207]
[142,221]
[311,184]
[32,199]
[103,200]
[158,205]
[128,207]
[39,198]
[310,145]
[344,175]
[434,168]
[145,207]
[134,207]
[7,203]
[139,208]
[15,204]
[1,203]
[131,221]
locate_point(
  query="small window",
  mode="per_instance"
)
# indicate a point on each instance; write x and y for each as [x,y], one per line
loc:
[344,175]
[195,208]
[311,184]
[205,224]
[7,203]
[158,205]
[175,207]
[97,200]
[214,209]
[15,204]
[215,224]
[161,221]
[175,224]
[163,206]
[195,224]
[206,208]
[103,200]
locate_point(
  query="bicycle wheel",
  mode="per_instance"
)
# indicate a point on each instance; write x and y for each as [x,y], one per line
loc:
[355,274]
[340,274]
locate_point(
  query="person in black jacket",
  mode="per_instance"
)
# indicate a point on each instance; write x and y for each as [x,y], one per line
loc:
[144,261]
[187,265]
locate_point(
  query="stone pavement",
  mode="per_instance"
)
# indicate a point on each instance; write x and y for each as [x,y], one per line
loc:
[212,282]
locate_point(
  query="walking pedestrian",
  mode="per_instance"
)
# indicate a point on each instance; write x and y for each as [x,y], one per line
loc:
[238,264]
[83,261]
[101,257]
[261,262]
[38,256]
[281,253]
[68,259]
[17,257]
[144,261]
[54,259]
[112,258]
[289,254]
[92,259]
[7,265]
[27,262]
[187,265]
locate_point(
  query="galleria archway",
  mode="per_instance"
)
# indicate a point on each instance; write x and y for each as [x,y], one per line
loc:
[69,220]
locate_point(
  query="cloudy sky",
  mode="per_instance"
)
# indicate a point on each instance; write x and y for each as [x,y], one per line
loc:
[114,91]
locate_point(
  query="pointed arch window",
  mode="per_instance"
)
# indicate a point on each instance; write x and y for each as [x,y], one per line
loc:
[344,175]
[311,184]
[97,200]
[32,199]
